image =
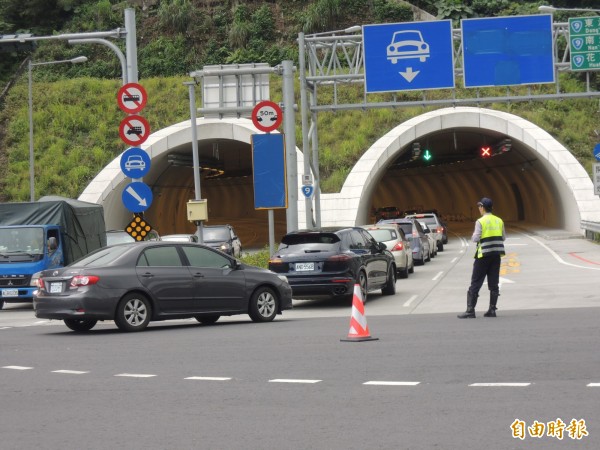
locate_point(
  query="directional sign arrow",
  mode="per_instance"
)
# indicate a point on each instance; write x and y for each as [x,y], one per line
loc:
[409,74]
[134,194]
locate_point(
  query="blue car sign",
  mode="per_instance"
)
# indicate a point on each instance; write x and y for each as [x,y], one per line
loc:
[135,162]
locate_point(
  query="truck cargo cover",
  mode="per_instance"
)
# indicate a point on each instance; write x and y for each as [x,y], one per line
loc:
[82,223]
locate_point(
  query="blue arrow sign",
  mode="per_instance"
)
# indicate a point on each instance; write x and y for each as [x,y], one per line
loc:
[135,162]
[307,190]
[597,152]
[504,51]
[137,197]
[408,56]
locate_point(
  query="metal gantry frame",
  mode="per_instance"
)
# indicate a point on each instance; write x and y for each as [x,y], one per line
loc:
[335,59]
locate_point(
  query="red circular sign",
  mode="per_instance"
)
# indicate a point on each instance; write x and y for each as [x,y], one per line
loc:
[267,116]
[134,130]
[132,98]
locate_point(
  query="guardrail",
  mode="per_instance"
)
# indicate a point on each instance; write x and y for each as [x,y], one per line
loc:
[592,230]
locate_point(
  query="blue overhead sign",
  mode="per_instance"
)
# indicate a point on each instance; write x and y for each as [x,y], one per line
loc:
[503,51]
[408,56]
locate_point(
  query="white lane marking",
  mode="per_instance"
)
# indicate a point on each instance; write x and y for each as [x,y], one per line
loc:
[4,328]
[500,384]
[439,274]
[452,260]
[17,367]
[410,300]
[208,378]
[558,258]
[392,383]
[72,372]
[41,321]
[593,385]
[135,375]
[291,380]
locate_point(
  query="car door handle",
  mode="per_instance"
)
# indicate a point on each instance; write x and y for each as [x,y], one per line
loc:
[148,275]
[198,275]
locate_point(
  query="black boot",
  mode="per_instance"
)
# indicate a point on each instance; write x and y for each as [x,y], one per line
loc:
[493,301]
[470,312]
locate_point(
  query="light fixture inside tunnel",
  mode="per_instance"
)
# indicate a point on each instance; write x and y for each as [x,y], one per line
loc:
[209,167]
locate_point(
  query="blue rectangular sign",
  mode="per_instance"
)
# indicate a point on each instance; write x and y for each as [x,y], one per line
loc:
[268,171]
[504,51]
[408,56]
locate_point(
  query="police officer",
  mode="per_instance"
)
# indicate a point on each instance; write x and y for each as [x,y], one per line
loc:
[489,235]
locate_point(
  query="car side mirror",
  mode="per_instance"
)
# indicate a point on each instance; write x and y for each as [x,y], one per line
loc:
[381,247]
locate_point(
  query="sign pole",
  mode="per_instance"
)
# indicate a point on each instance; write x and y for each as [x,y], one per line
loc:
[196,158]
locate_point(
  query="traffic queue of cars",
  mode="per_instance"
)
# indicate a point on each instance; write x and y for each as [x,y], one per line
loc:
[175,277]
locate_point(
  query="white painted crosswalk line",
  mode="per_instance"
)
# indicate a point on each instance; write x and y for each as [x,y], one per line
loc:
[72,372]
[292,380]
[392,383]
[500,384]
[135,375]
[17,367]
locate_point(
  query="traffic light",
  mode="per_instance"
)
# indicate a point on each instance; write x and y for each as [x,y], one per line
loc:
[485,151]
[416,150]
[138,228]
[427,155]
[499,148]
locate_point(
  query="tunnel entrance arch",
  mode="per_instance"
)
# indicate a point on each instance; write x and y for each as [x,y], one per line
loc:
[542,183]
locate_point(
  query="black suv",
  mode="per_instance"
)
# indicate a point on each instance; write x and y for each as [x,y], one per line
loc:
[222,237]
[330,261]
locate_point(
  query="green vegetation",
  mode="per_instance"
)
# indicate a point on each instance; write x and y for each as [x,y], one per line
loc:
[259,259]
[76,117]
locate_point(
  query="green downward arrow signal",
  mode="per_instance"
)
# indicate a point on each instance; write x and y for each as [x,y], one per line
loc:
[427,155]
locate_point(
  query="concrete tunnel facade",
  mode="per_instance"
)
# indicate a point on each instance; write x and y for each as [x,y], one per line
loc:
[557,193]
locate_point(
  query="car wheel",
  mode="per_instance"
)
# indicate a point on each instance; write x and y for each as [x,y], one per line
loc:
[133,313]
[80,324]
[412,267]
[404,273]
[364,287]
[440,246]
[263,305]
[428,259]
[390,285]
[419,261]
[207,320]
[1,304]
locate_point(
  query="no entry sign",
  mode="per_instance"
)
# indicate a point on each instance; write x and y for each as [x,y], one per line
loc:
[132,98]
[134,130]
[267,116]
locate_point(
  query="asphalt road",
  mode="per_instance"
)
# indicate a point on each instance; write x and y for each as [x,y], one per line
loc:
[292,384]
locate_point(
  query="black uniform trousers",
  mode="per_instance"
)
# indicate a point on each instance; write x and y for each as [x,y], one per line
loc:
[488,266]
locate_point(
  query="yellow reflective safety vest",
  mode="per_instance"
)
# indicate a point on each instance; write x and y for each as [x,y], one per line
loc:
[491,242]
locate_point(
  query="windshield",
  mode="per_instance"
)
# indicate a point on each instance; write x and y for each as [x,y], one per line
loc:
[22,240]
[383,234]
[101,257]
[119,237]
[215,234]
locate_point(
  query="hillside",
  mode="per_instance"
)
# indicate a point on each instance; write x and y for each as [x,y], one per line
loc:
[76,117]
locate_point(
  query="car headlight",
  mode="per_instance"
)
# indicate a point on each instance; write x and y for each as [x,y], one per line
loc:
[225,247]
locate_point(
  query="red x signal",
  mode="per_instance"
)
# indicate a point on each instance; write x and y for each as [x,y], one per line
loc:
[486,152]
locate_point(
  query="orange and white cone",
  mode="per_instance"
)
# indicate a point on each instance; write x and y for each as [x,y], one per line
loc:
[359,331]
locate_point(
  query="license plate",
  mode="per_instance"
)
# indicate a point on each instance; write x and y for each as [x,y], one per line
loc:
[55,288]
[303,267]
[10,292]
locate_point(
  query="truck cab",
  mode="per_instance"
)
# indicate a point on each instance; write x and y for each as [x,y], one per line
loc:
[24,251]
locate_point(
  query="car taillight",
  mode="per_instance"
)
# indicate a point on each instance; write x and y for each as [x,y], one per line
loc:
[84,280]
[440,229]
[40,283]
[339,258]
[398,247]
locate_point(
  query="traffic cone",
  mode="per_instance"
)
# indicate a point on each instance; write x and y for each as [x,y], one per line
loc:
[359,331]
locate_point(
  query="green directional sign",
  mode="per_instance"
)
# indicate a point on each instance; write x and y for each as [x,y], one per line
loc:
[584,43]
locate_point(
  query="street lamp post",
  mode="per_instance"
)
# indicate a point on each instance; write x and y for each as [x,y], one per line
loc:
[79,59]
